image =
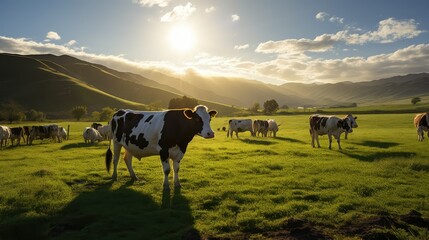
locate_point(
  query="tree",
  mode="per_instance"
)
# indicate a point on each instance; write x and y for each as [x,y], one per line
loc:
[271,106]
[255,107]
[416,100]
[33,115]
[78,112]
[106,113]
[285,107]
[12,111]
[184,102]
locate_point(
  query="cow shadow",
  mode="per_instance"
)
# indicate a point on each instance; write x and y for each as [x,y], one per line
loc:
[77,145]
[256,141]
[124,213]
[292,140]
[372,157]
[378,144]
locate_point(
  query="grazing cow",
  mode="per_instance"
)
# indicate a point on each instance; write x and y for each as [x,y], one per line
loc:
[240,125]
[353,121]
[421,122]
[16,133]
[260,127]
[91,135]
[96,125]
[105,131]
[331,125]
[164,133]
[273,127]
[63,133]
[27,131]
[4,135]
[42,132]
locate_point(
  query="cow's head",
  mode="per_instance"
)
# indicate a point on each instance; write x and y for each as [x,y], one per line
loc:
[352,121]
[345,124]
[201,118]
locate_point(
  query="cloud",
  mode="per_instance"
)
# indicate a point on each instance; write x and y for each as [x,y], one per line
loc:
[151,3]
[389,30]
[235,17]
[210,9]
[71,43]
[241,47]
[53,36]
[322,16]
[321,43]
[179,13]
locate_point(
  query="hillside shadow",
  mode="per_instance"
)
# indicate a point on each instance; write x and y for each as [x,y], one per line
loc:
[124,213]
[371,157]
[378,144]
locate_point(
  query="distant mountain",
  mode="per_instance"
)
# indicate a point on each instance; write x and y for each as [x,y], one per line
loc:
[52,83]
[371,92]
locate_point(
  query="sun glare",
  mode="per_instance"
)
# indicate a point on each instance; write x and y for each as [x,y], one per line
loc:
[182,38]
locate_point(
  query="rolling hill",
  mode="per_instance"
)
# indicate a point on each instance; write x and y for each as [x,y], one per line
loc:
[52,83]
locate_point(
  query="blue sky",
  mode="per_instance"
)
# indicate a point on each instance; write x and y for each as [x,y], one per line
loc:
[274,41]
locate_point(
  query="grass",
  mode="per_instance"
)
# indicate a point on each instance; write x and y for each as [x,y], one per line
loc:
[238,188]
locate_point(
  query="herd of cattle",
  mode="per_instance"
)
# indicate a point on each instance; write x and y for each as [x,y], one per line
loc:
[29,133]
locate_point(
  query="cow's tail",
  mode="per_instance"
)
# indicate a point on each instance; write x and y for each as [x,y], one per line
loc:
[108,157]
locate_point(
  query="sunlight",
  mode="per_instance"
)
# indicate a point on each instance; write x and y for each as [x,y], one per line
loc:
[182,38]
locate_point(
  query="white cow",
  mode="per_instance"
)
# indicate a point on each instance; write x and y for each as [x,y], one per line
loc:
[4,135]
[331,125]
[91,135]
[273,127]
[63,133]
[421,122]
[240,125]
[105,131]
[353,121]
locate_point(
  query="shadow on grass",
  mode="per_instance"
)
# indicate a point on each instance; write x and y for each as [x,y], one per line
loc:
[77,145]
[106,213]
[377,144]
[256,141]
[292,140]
[371,157]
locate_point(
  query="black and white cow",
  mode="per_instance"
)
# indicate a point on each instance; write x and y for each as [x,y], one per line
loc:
[331,125]
[421,122]
[260,127]
[42,132]
[239,125]
[353,121]
[165,133]
[16,133]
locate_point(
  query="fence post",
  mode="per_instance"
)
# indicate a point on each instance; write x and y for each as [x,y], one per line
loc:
[68,131]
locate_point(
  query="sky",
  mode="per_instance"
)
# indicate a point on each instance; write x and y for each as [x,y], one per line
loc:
[273,41]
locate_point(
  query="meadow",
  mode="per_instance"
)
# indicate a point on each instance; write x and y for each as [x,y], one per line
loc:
[246,188]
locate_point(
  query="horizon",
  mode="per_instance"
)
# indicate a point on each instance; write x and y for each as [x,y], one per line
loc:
[273,42]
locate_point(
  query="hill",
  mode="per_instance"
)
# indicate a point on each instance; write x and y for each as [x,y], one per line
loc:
[51,83]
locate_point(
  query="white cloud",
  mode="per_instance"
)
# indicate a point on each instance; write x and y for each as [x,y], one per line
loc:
[321,16]
[53,36]
[179,13]
[235,17]
[71,43]
[241,47]
[210,9]
[151,3]
[336,19]
[321,43]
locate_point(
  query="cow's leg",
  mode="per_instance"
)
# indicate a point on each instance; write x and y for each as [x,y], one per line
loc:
[165,167]
[128,158]
[312,138]
[338,140]
[116,152]
[330,140]
[317,139]
[345,135]
[176,165]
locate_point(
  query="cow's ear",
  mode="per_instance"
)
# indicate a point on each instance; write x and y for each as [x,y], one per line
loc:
[188,113]
[212,113]
[355,117]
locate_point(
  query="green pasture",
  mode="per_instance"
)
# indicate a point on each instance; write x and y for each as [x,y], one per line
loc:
[247,188]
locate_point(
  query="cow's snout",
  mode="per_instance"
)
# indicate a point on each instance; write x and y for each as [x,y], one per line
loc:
[350,130]
[209,135]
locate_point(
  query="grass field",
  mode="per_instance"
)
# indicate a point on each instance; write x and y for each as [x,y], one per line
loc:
[247,188]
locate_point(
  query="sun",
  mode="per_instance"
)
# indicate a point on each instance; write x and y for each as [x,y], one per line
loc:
[182,38]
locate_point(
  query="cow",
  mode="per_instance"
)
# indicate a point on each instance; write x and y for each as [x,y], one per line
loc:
[42,132]
[331,125]
[240,125]
[91,135]
[27,130]
[260,127]
[105,131]
[63,133]
[353,121]
[273,127]
[96,125]
[421,122]
[4,135]
[163,133]
[16,133]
